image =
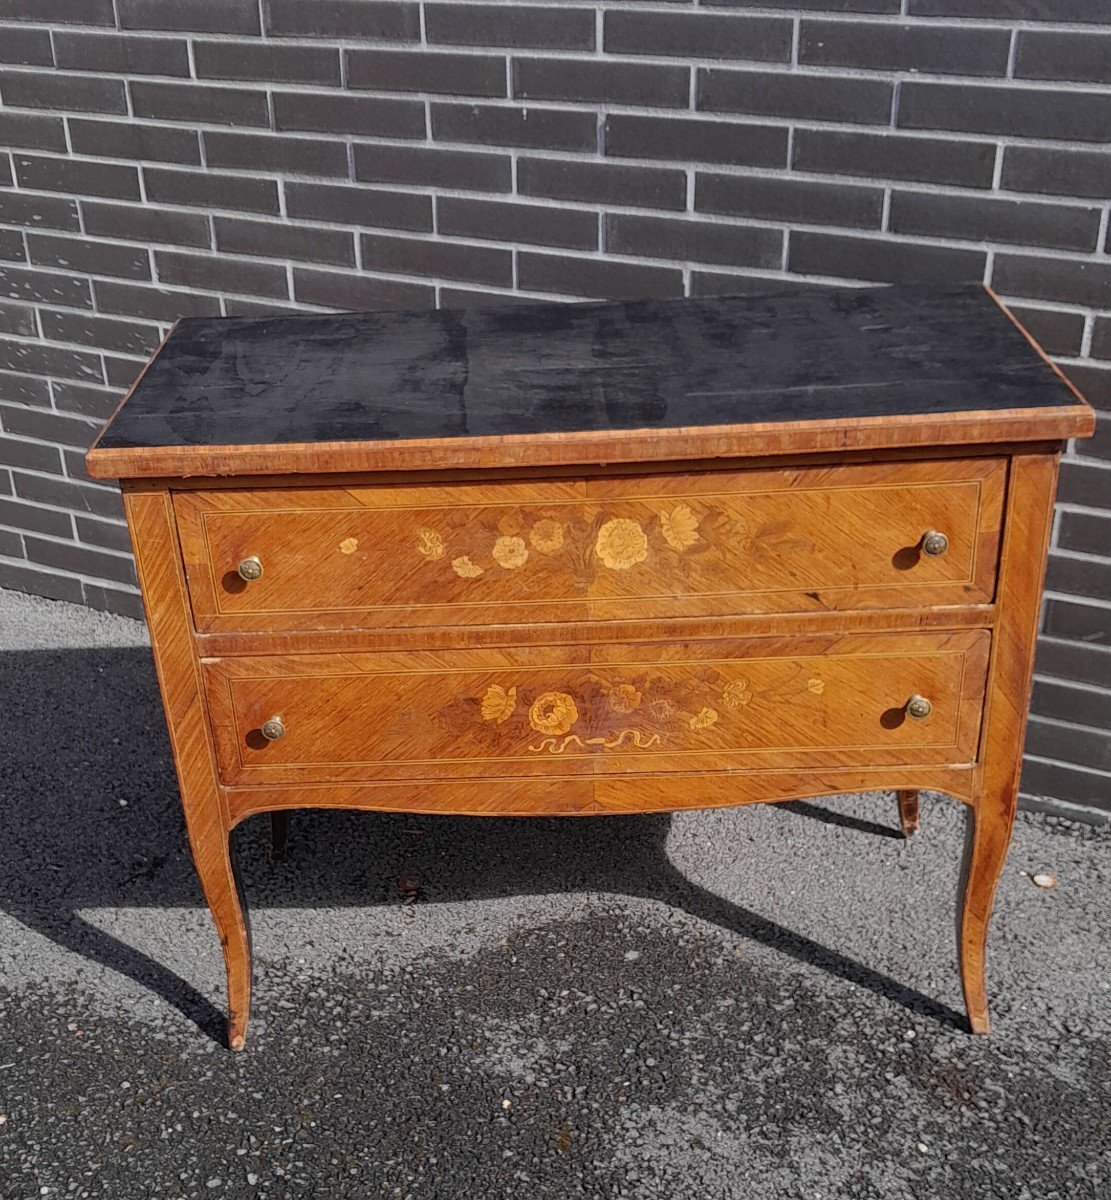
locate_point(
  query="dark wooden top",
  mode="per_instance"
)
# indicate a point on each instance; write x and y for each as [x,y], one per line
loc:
[590,373]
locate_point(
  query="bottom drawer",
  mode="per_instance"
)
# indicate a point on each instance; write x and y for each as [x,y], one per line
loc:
[567,711]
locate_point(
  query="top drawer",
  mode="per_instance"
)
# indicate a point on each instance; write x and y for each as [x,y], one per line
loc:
[718,543]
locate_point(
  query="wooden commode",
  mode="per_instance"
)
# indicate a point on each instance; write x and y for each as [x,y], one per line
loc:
[598,558]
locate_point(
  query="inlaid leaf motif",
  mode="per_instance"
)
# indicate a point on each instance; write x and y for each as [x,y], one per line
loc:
[465,569]
[817,686]
[735,694]
[704,719]
[498,703]
[679,527]
[430,544]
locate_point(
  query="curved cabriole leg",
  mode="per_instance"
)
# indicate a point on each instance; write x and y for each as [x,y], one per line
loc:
[213,856]
[908,812]
[279,836]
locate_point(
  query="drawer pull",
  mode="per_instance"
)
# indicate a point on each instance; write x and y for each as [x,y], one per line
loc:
[272,729]
[250,569]
[933,543]
[919,707]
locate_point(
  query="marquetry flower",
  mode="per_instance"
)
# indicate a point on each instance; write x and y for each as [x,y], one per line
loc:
[430,544]
[679,527]
[349,545]
[662,710]
[704,719]
[623,698]
[510,552]
[498,703]
[553,713]
[621,544]
[735,694]
[465,569]
[546,536]
[817,686]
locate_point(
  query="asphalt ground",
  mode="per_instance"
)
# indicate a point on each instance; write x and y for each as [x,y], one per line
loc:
[748,1003]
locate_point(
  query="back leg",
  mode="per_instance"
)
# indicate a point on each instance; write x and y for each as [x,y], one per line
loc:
[908,812]
[279,836]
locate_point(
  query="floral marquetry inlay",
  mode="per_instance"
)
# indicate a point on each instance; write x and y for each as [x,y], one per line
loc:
[606,712]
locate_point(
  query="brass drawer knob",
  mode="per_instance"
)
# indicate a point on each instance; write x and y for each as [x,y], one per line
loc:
[272,729]
[919,707]
[933,543]
[250,569]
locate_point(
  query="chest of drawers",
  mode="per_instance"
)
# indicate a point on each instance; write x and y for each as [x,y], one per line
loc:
[601,558]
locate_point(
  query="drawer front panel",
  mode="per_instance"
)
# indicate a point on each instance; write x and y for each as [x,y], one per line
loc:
[720,705]
[608,548]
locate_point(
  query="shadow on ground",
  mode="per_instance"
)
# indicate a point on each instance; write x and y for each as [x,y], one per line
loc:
[91,820]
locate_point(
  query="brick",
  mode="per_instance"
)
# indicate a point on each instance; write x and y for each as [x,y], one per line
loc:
[938,49]
[1078,57]
[602,183]
[153,303]
[685,240]
[1052,780]
[35,517]
[358,206]
[149,143]
[89,257]
[1094,381]
[689,139]
[98,403]
[44,287]
[51,89]
[269,240]
[338,112]
[358,293]
[894,156]
[210,190]
[984,219]
[59,12]
[267,152]
[699,35]
[75,177]
[267,61]
[70,494]
[1079,577]
[1085,623]
[107,534]
[19,319]
[101,333]
[26,48]
[41,358]
[1095,11]
[781,198]
[426,71]
[1101,338]
[1065,660]
[146,223]
[1056,332]
[11,543]
[120,373]
[438,259]
[461,297]
[1009,111]
[516,26]
[1082,747]
[1053,279]
[1085,483]
[595,277]
[32,131]
[47,426]
[501,221]
[24,389]
[353,19]
[422,167]
[497,125]
[195,16]
[68,556]
[197,102]
[121,601]
[1088,533]
[881,259]
[21,578]
[13,247]
[216,274]
[7,179]
[31,456]
[601,81]
[830,6]
[6,488]
[804,97]
[1057,172]
[123,54]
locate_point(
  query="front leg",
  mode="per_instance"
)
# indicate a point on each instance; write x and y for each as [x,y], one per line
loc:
[908,812]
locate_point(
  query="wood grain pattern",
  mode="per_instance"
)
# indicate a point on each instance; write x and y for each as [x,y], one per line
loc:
[908,812]
[799,540]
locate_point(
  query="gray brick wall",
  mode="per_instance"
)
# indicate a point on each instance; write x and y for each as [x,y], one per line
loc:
[179,157]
